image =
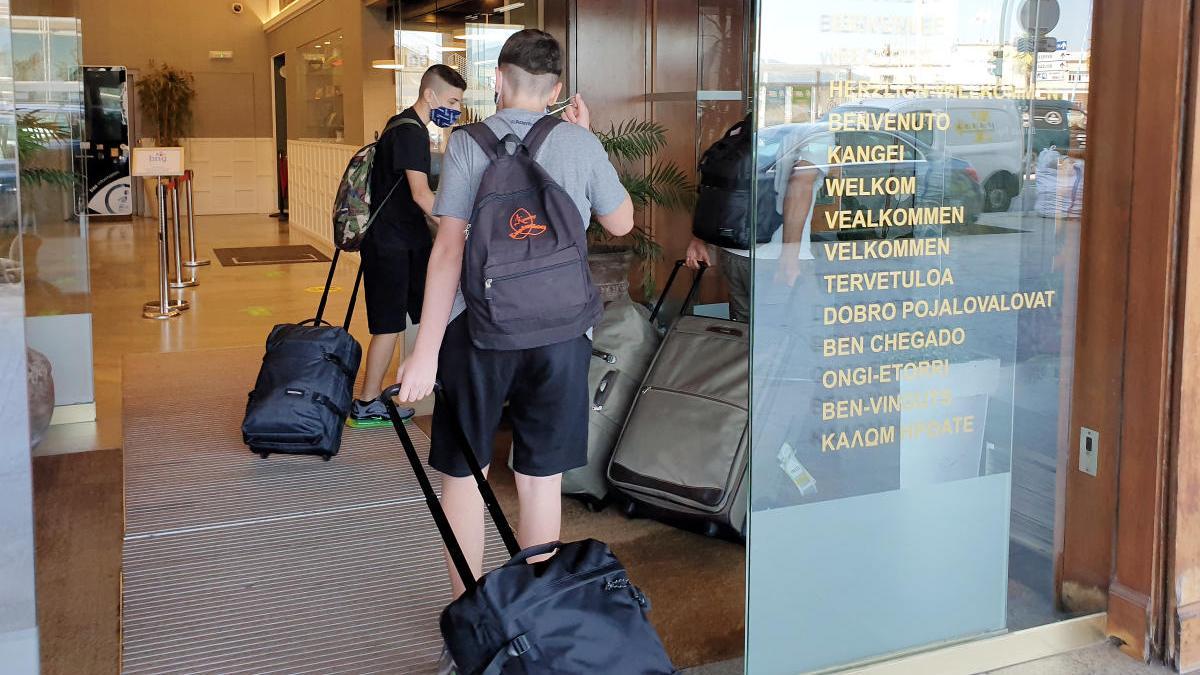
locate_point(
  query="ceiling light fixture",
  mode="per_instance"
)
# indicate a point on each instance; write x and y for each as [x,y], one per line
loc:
[386,64]
[508,7]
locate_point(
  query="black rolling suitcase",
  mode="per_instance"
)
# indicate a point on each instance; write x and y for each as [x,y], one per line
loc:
[575,613]
[306,384]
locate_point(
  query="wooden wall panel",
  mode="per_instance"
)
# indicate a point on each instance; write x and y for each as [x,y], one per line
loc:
[609,56]
[1086,526]
[673,85]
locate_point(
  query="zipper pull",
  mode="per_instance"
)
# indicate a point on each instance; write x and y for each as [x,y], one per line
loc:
[641,598]
[487,283]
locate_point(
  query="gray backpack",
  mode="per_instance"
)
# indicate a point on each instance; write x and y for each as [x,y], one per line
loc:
[525,275]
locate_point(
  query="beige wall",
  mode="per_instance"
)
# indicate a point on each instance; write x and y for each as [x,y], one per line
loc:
[233,97]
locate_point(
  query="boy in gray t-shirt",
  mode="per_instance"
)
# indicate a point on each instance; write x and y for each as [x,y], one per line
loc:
[545,387]
[571,154]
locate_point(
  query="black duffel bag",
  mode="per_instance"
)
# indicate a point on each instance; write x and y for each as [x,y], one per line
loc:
[305,386]
[726,213]
[575,613]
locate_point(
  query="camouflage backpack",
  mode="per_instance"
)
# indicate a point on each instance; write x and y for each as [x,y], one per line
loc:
[352,206]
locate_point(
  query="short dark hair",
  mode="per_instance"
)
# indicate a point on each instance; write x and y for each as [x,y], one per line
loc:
[533,51]
[446,74]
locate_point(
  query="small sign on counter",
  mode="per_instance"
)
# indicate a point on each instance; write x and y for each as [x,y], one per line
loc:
[158,161]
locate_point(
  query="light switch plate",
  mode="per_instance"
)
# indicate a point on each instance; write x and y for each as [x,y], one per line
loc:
[1089,450]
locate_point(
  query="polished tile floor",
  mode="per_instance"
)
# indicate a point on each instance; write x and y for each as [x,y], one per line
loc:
[232,306]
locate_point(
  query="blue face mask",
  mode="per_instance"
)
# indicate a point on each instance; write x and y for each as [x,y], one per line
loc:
[442,116]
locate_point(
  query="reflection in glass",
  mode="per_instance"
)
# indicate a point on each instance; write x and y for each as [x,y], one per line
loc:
[914,321]
[322,73]
[49,106]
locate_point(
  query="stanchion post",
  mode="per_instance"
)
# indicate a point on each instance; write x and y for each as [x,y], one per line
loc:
[191,216]
[179,282]
[161,308]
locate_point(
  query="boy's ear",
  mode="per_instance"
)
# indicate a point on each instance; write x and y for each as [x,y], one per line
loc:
[554,93]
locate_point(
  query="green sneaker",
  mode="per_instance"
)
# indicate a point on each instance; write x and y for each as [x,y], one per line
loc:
[370,414]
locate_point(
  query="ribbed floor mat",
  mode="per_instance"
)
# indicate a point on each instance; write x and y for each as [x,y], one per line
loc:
[235,564]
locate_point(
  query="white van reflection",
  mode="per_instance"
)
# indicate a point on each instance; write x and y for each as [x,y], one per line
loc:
[937,179]
[987,133]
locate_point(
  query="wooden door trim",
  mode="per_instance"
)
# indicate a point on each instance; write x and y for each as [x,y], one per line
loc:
[1140,568]
[1085,530]
[1113,526]
[1182,585]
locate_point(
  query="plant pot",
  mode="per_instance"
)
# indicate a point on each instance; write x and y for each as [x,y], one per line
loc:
[41,394]
[610,267]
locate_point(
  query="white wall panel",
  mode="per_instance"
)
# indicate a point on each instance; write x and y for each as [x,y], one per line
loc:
[314,171]
[233,175]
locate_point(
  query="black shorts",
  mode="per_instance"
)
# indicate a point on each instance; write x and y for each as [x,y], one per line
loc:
[547,394]
[394,281]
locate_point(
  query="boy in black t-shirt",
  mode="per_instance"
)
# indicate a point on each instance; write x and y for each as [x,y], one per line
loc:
[395,252]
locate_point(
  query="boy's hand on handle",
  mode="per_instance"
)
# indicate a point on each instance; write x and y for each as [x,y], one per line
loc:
[416,377]
[578,113]
[697,252]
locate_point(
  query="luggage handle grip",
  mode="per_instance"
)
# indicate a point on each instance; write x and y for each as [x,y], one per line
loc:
[725,330]
[671,280]
[604,356]
[603,389]
[314,321]
[533,552]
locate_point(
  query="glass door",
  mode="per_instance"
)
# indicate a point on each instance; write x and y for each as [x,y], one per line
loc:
[913,321]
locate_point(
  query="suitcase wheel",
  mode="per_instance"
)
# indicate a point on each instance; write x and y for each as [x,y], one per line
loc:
[327,457]
[711,529]
[630,510]
[593,506]
[264,455]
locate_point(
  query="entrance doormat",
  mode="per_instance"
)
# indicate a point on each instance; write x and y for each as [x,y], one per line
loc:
[269,255]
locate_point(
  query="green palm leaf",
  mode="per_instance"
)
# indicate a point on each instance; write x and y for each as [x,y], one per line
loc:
[633,139]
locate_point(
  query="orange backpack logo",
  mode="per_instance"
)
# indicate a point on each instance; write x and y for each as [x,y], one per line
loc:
[523,224]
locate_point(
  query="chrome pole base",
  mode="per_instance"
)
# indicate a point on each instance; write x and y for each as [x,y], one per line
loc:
[196,263]
[186,283]
[153,310]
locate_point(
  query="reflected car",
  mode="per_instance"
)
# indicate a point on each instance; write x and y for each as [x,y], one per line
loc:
[939,180]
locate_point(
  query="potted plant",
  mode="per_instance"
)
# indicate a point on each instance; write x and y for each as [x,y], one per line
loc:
[35,133]
[165,95]
[662,184]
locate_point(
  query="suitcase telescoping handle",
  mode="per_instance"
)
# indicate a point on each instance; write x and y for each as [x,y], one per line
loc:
[431,500]
[320,317]
[691,295]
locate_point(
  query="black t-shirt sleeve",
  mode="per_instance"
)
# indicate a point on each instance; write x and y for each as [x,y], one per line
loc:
[410,149]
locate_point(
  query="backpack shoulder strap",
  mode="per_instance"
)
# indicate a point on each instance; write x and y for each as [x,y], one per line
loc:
[538,132]
[398,120]
[486,138]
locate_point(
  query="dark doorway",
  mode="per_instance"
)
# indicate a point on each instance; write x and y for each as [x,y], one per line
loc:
[279,79]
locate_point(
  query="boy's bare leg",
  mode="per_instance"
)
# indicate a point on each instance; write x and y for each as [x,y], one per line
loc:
[541,510]
[379,357]
[464,509]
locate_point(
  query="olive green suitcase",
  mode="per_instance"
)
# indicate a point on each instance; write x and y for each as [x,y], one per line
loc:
[684,452]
